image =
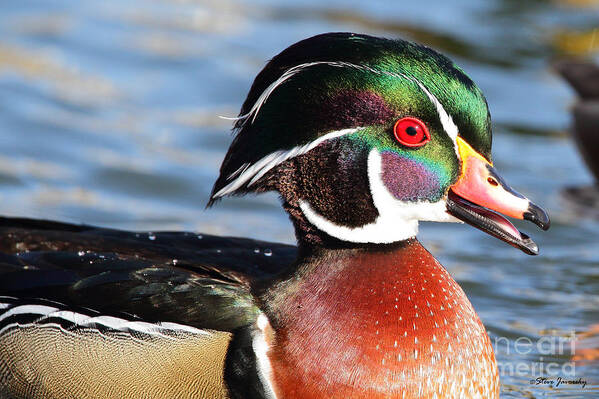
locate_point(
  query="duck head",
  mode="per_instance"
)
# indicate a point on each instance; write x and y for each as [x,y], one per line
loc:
[364,137]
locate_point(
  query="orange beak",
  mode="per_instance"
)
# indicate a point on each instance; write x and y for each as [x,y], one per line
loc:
[480,190]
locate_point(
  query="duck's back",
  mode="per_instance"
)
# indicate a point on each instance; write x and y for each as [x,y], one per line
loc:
[90,312]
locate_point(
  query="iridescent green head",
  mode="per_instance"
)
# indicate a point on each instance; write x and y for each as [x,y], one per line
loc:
[358,134]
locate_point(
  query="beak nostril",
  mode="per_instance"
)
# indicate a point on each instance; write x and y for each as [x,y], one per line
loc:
[492,181]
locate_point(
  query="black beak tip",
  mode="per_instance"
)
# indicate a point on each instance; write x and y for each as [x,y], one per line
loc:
[538,216]
[528,246]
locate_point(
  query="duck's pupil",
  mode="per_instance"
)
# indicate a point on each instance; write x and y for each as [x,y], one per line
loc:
[411,130]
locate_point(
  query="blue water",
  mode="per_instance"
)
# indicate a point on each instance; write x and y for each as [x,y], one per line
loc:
[109,116]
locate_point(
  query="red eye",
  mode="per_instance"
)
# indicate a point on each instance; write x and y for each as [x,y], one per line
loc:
[411,132]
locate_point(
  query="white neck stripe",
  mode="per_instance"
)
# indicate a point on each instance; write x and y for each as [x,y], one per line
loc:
[397,220]
[384,230]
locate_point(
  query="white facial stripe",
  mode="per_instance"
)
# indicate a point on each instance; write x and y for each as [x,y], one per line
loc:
[253,112]
[397,220]
[446,120]
[382,231]
[82,320]
[254,172]
[240,170]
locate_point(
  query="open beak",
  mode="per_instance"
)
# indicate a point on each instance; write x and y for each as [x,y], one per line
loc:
[480,193]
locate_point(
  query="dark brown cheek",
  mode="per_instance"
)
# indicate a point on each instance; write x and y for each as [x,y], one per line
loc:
[333,178]
[409,180]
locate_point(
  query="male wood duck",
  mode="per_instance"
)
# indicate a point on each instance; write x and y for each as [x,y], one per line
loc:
[362,137]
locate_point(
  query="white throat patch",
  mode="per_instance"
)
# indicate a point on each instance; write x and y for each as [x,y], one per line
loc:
[397,220]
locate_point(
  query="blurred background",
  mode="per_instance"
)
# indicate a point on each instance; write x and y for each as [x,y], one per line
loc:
[109,116]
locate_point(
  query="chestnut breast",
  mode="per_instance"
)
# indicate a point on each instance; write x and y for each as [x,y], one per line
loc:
[384,324]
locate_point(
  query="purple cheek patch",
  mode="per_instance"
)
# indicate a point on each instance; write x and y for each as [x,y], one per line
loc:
[408,180]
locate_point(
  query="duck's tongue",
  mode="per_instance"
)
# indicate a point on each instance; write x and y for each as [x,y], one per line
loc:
[490,222]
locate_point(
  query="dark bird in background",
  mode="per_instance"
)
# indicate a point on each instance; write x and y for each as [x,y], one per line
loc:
[583,77]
